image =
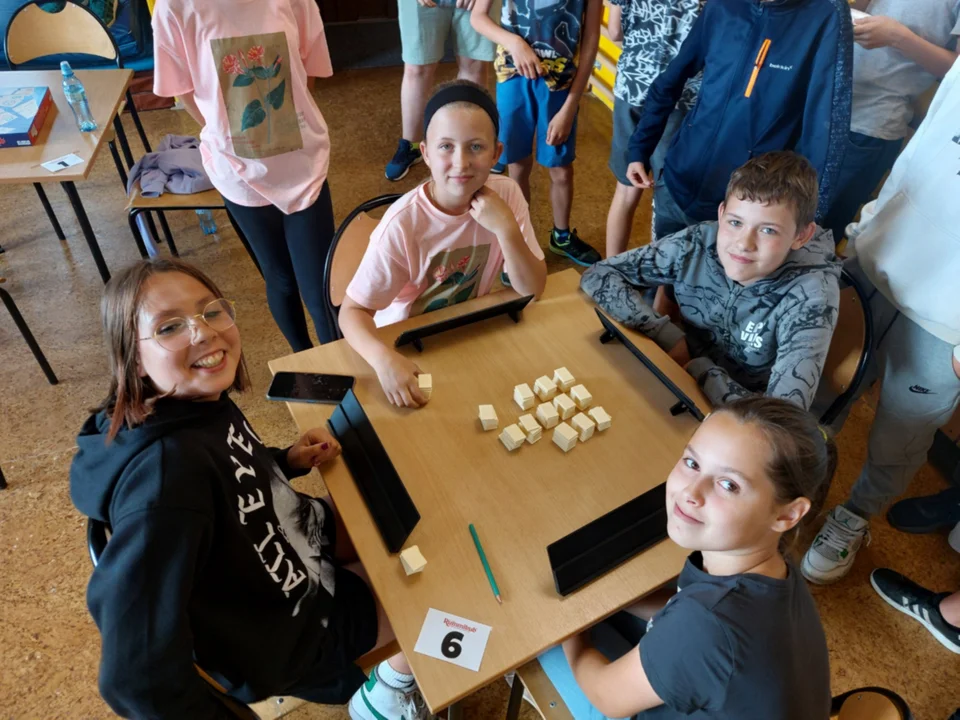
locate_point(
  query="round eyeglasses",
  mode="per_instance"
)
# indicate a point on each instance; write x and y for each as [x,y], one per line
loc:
[176,333]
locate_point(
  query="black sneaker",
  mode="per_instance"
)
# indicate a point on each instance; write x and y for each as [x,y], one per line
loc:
[404,158]
[917,602]
[574,248]
[926,514]
[505,279]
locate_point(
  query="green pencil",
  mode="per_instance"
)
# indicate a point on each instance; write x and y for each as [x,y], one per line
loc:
[486,565]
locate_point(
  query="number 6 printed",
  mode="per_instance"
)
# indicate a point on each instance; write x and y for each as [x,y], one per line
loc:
[450,647]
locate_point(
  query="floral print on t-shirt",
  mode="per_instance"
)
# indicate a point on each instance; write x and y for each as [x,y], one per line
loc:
[254,78]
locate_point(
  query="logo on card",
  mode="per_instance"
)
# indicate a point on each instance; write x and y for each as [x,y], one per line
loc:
[750,335]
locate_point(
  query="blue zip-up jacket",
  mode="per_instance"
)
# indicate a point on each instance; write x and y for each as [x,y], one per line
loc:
[801,99]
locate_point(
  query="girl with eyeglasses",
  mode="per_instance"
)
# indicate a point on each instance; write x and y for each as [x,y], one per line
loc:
[214,560]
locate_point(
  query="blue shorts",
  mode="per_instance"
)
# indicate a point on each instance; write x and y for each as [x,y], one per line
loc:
[526,108]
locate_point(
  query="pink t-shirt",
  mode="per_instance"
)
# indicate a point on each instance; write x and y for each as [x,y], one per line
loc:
[421,259]
[246,63]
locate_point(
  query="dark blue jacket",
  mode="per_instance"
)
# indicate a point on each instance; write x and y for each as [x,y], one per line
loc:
[801,100]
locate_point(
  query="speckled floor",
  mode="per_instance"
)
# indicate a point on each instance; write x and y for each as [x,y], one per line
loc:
[49,647]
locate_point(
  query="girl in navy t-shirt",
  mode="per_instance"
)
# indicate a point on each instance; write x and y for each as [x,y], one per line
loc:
[741,637]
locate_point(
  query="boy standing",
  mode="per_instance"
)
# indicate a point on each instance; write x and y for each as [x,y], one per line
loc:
[545,54]
[901,50]
[906,258]
[652,32]
[758,290]
[776,76]
[424,28]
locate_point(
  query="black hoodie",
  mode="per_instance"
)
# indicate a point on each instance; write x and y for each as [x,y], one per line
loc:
[214,559]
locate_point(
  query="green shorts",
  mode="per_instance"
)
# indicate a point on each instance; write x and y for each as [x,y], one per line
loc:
[424,31]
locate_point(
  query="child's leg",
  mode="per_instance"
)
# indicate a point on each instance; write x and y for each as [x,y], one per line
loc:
[626,198]
[520,174]
[609,641]
[264,229]
[309,234]
[561,195]
[414,92]
[470,69]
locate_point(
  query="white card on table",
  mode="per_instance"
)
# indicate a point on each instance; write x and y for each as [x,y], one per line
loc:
[453,639]
[62,162]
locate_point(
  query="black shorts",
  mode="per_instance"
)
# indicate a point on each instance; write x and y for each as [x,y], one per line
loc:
[352,628]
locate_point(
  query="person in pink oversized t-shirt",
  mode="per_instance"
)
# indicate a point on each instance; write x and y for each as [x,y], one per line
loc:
[241,68]
[445,242]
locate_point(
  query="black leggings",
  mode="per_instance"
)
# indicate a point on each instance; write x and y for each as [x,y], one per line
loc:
[292,250]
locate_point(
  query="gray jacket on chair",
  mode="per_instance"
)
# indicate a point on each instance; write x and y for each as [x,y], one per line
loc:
[769,337]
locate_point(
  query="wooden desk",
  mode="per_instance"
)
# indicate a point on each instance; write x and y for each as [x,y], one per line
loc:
[521,501]
[60,136]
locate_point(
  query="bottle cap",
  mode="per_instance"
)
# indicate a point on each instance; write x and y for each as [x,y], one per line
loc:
[65,69]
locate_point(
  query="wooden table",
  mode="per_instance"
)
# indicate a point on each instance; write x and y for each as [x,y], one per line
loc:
[520,502]
[60,136]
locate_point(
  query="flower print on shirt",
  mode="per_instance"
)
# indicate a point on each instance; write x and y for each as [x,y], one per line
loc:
[255,84]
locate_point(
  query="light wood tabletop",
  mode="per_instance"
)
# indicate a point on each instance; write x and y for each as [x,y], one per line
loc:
[60,134]
[520,502]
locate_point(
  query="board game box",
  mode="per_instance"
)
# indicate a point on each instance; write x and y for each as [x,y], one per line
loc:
[22,113]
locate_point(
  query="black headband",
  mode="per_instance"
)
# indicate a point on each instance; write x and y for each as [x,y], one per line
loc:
[461,93]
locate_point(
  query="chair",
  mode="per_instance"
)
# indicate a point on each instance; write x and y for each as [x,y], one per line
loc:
[851,349]
[870,703]
[27,335]
[346,251]
[206,200]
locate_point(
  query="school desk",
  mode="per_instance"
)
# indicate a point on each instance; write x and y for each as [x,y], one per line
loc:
[519,501]
[60,136]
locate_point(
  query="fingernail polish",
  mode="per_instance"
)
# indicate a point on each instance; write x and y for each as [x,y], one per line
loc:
[325,446]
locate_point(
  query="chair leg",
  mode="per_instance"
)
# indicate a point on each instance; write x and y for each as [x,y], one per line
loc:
[3,480]
[136,121]
[516,697]
[167,235]
[245,242]
[151,225]
[28,336]
[122,139]
[141,248]
[46,206]
[116,161]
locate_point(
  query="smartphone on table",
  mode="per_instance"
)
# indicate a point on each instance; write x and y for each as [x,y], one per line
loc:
[310,387]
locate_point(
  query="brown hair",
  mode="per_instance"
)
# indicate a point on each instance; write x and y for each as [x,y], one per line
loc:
[803,453]
[778,177]
[131,397]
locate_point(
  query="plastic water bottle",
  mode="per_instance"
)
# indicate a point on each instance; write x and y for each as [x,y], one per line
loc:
[207,223]
[77,97]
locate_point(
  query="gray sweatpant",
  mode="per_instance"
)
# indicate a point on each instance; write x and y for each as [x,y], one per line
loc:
[919,392]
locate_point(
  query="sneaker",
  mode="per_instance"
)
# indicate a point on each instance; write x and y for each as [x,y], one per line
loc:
[500,168]
[574,248]
[505,279]
[404,158]
[926,514]
[917,602]
[375,700]
[831,555]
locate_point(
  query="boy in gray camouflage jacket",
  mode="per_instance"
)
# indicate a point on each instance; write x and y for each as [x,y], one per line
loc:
[758,290]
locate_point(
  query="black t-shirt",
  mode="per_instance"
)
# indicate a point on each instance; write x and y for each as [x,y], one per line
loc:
[736,648]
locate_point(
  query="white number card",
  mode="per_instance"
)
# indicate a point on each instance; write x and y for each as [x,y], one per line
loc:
[453,639]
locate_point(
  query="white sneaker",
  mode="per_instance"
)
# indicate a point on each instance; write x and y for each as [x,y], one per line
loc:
[831,555]
[375,700]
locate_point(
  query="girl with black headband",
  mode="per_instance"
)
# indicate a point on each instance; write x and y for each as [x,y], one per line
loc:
[444,242]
